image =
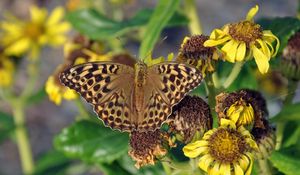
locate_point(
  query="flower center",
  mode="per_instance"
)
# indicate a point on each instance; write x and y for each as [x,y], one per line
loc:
[34,31]
[226,145]
[245,31]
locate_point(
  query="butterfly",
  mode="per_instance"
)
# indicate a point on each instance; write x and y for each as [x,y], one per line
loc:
[132,98]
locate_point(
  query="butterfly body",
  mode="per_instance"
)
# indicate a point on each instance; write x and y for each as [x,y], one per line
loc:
[132,98]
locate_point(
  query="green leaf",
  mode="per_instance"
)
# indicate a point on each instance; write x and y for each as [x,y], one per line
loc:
[283,28]
[91,142]
[113,168]
[52,163]
[288,113]
[286,161]
[97,26]
[159,19]
[6,125]
[128,164]
[37,97]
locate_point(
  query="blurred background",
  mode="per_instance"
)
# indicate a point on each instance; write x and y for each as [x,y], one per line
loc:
[46,119]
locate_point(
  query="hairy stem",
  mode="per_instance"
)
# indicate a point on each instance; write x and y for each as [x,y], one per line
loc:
[22,139]
[233,74]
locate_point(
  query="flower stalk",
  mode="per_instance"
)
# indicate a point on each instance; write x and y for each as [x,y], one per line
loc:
[191,12]
[234,74]
[22,139]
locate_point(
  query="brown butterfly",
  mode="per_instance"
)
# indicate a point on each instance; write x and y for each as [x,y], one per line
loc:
[132,98]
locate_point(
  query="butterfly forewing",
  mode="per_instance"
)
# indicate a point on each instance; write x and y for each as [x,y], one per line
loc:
[166,85]
[108,87]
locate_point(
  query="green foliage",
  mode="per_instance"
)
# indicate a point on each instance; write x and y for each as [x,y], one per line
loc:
[91,142]
[287,161]
[52,163]
[159,19]
[283,28]
[6,125]
[125,166]
[97,26]
[288,113]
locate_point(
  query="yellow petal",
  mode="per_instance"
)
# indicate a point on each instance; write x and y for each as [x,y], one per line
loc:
[19,47]
[38,15]
[238,170]
[217,33]
[252,12]
[59,28]
[225,169]
[241,51]
[265,49]
[227,123]
[215,42]
[249,168]
[271,36]
[193,150]
[205,161]
[215,170]
[230,49]
[55,16]
[261,60]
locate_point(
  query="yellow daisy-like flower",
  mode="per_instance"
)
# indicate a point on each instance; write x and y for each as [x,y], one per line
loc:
[57,92]
[7,69]
[224,150]
[20,37]
[243,39]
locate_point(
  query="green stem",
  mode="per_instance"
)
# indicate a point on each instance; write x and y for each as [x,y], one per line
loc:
[191,12]
[292,86]
[166,168]
[233,75]
[264,167]
[33,74]
[22,139]
[212,97]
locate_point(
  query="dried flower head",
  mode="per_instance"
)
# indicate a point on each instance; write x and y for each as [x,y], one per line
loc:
[194,53]
[190,119]
[146,147]
[265,139]
[224,150]
[245,107]
[290,62]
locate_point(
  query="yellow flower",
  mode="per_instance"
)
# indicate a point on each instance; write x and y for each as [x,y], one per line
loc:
[57,92]
[20,37]
[224,150]
[243,39]
[7,69]
[241,113]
